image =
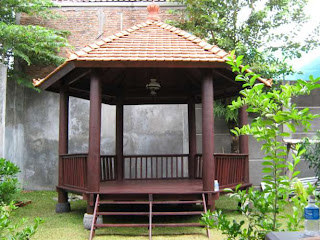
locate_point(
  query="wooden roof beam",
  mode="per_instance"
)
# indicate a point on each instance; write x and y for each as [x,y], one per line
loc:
[229,79]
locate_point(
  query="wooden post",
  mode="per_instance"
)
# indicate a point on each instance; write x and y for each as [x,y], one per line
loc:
[244,140]
[208,168]
[93,163]
[63,138]
[119,138]
[192,138]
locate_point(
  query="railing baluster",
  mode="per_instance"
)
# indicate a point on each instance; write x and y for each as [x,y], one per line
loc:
[157,167]
[162,173]
[141,167]
[130,168]
[146,167]
[113,168]
[108,160]
[107,169]
[171,167]
[136,168]
[151,158]
[182,169]
[177,173]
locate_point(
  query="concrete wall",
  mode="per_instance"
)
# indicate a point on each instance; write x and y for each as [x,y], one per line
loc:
[312,102]
[3,89]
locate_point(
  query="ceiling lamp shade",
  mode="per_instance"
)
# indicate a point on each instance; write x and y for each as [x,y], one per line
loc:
[153,86]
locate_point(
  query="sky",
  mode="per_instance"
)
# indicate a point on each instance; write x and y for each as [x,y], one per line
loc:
[313,9]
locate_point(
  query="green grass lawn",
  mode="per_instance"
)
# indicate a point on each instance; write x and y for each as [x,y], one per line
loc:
[69,225]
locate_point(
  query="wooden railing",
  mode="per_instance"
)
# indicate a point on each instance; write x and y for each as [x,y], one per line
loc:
[74,168]
[156,166]
[108,167]
[229,168]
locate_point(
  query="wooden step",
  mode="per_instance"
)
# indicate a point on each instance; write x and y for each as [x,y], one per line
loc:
[147,213]
[151,225]
[147,225]
[102,202]
[177,213]
[176,202]
[121,225]
[177,225]
[123,213]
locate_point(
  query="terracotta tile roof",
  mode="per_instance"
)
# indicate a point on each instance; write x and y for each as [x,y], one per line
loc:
[152,40]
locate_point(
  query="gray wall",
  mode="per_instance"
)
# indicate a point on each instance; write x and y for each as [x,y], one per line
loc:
[311,101]
[3,87]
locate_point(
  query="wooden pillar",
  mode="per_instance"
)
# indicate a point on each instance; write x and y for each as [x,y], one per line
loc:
[192,138]
[119,138]
[244,140]
[208,168]
[93,163]
[63,138]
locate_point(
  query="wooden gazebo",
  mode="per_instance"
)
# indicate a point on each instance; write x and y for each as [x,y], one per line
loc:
[115,70]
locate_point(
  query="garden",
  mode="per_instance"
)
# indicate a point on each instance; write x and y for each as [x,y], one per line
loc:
[242,214]
[239,214]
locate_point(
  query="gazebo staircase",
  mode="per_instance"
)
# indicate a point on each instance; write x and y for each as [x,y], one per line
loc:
[99,202]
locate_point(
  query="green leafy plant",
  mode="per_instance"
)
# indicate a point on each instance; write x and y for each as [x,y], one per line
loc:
[312,154]
[275,110]
[28,45]
[17,231]
[8,180]
[221,110]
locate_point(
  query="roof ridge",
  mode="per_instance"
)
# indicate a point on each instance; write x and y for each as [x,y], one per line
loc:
[194,39]
[90,47]
[186,35]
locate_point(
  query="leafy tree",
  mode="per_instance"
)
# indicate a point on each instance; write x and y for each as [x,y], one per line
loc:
[258,30]
[275,110]
[266,33]
[25,45]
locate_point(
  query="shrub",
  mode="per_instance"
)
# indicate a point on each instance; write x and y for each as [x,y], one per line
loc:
[18,231]
[8,180]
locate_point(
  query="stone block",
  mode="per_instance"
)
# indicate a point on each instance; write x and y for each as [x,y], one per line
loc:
[87,220]
[63,207]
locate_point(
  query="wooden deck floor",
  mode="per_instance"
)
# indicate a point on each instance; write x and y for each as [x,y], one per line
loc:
[181,186]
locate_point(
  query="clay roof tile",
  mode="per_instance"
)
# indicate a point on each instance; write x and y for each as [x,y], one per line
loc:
[149,41]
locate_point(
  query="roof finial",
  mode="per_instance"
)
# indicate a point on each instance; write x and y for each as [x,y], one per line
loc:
[153,10]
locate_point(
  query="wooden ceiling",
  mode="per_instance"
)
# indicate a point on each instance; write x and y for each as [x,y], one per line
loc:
[178,85]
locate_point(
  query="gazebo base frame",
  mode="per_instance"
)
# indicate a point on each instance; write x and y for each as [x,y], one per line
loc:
[139,190]
[141,187]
